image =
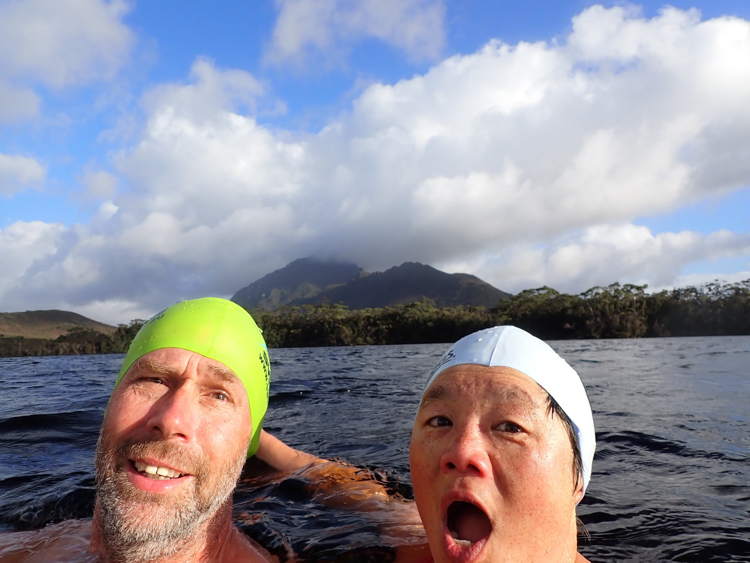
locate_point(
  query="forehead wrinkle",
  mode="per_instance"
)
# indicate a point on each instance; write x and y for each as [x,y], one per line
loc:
[225,374]
[483,388]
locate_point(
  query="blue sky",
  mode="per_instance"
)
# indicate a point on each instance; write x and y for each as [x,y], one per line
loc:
[154,151]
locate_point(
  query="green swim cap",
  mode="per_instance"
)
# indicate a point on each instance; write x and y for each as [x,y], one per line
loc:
[217,329]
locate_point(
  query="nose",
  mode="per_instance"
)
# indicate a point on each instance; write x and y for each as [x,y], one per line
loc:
[467,454]
[173,415]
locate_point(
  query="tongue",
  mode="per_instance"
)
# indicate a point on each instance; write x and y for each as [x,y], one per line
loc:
[468,522]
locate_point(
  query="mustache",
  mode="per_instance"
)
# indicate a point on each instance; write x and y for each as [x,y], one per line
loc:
[180,458]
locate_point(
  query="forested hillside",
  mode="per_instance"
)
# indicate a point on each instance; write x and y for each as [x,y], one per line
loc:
[601,312]
[615,311]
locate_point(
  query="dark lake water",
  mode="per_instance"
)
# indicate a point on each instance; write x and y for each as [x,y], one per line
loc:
[671,479]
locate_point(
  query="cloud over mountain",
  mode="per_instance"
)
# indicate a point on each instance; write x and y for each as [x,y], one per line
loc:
[525,164]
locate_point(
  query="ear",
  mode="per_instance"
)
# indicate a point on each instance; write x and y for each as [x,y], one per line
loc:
[578,494]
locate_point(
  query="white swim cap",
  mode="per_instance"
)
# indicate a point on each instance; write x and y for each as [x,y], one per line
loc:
[512,347]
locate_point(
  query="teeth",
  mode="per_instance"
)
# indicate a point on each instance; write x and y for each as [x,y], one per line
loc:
[464,543]
[159,473]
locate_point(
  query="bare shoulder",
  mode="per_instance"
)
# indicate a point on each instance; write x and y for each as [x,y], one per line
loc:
[581,559]
[64,542]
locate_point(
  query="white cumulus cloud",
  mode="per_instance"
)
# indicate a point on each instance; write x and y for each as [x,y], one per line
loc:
[22,244]
[17,103]
[325,26]
[63,42]
[60,43]
[99,184]
[603,255]
[18,172]
[211,90]
[527,164]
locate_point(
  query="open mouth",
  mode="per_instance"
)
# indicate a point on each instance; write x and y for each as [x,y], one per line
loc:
[155,472]
[467,523]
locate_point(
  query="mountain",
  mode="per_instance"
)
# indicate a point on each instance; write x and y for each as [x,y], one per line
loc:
[310,281]
[410,282]
[47,324]
[302,279]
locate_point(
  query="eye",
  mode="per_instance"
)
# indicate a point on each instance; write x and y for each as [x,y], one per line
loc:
[152,385]
[153,379]
[439,421]
[221,396]
[509,427]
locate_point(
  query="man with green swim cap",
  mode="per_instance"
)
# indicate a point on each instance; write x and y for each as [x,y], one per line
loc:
[185,413]
[217,329]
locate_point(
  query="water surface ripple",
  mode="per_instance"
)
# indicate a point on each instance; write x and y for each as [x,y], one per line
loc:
[671,479]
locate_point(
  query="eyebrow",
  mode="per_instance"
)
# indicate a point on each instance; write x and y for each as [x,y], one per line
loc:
[225,374]
[434,394]
[509,394]
[145,364]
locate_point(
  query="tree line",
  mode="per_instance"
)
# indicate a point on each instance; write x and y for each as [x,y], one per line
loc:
[615,311]
[76,341]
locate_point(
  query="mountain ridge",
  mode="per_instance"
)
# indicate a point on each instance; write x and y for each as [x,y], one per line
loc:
[300,279]
[399,285]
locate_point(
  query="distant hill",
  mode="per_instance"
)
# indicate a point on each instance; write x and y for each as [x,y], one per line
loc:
[410,282]
[301,279]
[47,324]
[310,281]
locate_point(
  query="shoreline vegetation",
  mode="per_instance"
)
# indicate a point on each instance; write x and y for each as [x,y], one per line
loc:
[615,311]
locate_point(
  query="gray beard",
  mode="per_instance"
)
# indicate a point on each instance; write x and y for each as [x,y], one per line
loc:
[138,526]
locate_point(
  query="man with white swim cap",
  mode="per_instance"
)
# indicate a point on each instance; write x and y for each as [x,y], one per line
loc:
[501,451]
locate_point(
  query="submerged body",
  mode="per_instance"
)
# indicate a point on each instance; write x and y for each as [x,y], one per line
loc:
[69,542]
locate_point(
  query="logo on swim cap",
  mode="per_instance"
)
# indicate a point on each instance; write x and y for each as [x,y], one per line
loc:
[266,365]
[156,317]
[447,357]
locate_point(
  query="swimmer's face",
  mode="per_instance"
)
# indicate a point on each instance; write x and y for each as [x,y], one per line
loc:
[172,445]
[492,470]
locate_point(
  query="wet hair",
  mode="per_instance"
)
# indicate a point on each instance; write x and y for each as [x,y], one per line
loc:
[553,408]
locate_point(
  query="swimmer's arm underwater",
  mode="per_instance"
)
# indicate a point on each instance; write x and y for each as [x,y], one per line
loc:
[334,483]
[282,457]
[345,487]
